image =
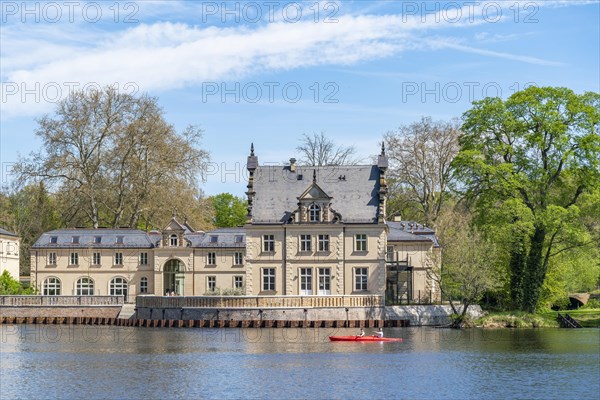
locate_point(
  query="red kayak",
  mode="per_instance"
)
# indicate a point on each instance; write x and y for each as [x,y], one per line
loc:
[362,339]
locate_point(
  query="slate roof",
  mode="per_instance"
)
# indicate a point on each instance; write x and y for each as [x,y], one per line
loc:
[225,237]
[132,238]
[355,196]
[7,233]
[409,231]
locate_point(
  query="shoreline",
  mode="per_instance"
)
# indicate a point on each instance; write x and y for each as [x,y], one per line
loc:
[588,318]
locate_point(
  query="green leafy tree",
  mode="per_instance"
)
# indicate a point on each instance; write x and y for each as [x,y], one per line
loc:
[229,210]
[11,286]
[528,162]
[467,265]
[28,211]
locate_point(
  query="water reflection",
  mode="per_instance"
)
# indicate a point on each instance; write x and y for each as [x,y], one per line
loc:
[121,362]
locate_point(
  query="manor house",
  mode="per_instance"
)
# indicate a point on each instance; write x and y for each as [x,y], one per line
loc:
[310,231]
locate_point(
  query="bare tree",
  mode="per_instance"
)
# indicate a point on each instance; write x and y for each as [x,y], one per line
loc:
[112,158]
[421,157]
[319,150]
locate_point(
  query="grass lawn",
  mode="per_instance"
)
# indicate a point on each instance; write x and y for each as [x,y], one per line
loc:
[588,318]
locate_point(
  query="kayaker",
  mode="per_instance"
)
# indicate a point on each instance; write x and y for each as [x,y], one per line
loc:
[362,333]
[379,333]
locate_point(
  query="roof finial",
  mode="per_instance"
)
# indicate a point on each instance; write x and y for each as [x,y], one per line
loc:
[251,149]
[383,148]
[315,175]
[174,212]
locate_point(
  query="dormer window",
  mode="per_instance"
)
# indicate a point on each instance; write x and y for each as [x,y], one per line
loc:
[314,213]
[98,239]
[75,240]
[53,239]
[119,240]
[214,239]
[173,240]
[239,238]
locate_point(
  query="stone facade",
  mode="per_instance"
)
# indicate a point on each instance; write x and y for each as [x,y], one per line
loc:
[310,231]
[9,253]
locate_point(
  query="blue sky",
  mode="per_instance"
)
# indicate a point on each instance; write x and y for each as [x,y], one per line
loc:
[269,71]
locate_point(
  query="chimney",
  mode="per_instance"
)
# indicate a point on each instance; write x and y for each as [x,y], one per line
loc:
[292,165]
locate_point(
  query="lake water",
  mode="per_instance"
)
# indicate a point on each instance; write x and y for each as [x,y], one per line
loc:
[67,362]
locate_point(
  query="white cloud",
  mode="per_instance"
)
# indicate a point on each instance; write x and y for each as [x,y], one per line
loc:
[158,56]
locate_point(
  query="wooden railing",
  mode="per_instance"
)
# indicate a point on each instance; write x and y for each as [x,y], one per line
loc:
[17,301]
[258,301]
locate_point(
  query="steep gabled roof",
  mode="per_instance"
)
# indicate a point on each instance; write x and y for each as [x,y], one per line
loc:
[314,192]
[353,190]
[175,225]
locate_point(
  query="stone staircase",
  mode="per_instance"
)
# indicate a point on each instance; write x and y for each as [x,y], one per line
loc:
[127,311]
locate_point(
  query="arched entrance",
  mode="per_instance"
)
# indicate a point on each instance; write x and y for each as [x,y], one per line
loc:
[173,277]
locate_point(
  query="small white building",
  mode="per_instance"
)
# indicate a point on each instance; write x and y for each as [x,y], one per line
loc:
[9,253]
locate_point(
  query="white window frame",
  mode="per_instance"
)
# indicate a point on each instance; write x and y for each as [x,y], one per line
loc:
[238,258]
[314,213]
[143,284]
[211,283]
[323,242]
[88,287]
[118,258]
[389,253]
[306,281]
[268,279]
[118,286]
[96,258]
[305,243]
[238,281]
[268,243]
[52,258]
[324,281]
[211,258]
[51,284]
[74,258]
[360,242]
[361,279]
[144,258]
[173,240]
